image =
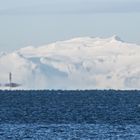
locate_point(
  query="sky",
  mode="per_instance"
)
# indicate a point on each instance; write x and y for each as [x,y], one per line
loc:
[67,6]
[37,22]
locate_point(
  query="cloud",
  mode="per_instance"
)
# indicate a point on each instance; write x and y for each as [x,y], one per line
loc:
[79,63]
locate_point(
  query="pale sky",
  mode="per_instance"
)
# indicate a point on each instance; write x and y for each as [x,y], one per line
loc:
[37,6]
[36,22]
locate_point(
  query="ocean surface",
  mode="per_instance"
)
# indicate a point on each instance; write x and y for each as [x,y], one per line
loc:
[70,115]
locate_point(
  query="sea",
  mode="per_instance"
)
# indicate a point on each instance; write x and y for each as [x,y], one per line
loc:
[70,115]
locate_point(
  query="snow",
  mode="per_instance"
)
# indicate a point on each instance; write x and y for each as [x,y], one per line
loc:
[79,63]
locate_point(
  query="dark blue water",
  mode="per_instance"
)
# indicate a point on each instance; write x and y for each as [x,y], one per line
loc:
[69,115]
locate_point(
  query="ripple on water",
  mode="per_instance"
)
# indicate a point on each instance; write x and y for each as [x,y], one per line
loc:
[67,131]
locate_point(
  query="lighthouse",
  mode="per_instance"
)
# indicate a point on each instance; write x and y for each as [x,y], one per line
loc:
[11,84]
[10,78]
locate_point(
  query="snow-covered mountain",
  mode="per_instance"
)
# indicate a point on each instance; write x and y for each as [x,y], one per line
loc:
[79,63]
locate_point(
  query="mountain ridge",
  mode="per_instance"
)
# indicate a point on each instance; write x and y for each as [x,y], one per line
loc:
[78,63]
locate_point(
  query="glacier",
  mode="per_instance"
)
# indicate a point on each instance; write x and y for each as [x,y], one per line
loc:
[78,63]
